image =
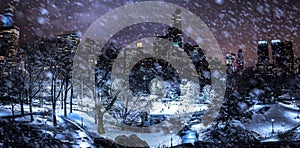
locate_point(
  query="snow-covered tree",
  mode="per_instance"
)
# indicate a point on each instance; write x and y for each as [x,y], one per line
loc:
[34,77]
[52,63]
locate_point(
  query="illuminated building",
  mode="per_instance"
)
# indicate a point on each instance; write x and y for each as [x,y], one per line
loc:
[240,59]
[177,19]
[297,66]
[67,43]
[263,53]
[9,34]
[282,54]
[131,55]
[9,13]
[9,40]
[231,62]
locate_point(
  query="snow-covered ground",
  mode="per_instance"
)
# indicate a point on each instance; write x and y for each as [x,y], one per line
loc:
[284,118]
[178,110]
[178,107]
[65,132]
[154,139]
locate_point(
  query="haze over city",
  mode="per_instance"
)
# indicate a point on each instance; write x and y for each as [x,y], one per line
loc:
[235,24]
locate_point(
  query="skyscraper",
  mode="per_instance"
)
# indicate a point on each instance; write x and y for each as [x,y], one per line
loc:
[9,34]
[9,40]
[263,53]
[9,58]
[9,13]
[240,60]
[282,54]
[174,34]
[297,66]
[67,43]
[177,19]
[230,62]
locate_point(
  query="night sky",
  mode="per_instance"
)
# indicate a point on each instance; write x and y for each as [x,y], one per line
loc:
[236,25]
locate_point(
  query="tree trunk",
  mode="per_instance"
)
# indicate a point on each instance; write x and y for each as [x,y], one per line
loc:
[100,115]
[12,111]
[100,122]
[62,101]
[54,114]
[53,96]
[22,106]
[30,96]
[95,117]
[66,95]
[71,98]
[30,109]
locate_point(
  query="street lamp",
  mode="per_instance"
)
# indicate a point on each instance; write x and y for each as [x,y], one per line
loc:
[272,125]
[294,102]
[223,80]
[145,87]
[298,110]
[171,139]
[45,128]
[283,125]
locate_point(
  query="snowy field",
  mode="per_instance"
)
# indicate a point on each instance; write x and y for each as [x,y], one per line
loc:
[284,118]
[283,115]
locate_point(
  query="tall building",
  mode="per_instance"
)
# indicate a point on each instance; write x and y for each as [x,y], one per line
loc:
[276,51]
[9,13]
[9,34]
[231,62]
[263,53]
[9,47]
[160,48]
[67,43]
[177,18]
[130,55]
[9,40]
[174,34]
[282,54]
[239,61]
[297,66]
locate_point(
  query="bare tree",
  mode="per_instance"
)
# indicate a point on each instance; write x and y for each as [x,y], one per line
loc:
[35,77]
[12,80]
[52,65]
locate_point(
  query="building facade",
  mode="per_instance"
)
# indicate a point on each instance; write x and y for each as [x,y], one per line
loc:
[282,55]
[9,34]
[263,54]
[67,43]
[9,47]
[9,39]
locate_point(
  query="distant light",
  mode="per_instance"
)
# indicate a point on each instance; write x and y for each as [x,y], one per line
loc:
[219,2]
[175,44]
[275,41]
[262,42]
[139,45]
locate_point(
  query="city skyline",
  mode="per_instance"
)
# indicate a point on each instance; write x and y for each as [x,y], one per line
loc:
[236,25]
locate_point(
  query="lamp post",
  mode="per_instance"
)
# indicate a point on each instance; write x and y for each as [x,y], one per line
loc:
[145,87]
[283,125]
[294,102]
[171,139]
[272,125]
[45,128]
[298,110]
